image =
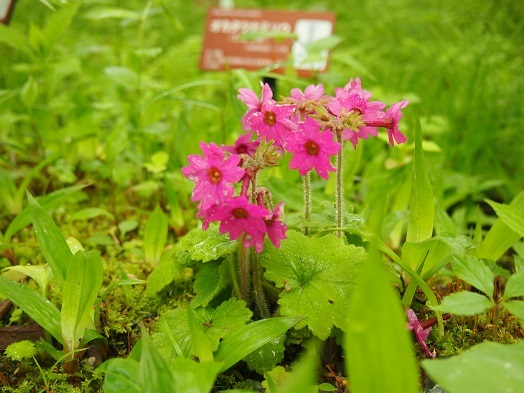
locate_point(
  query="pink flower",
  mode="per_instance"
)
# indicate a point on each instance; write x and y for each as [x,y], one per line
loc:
[311,92]
[213,176]
[312,149]
[389,121]
[243,145]
[273,122]
[276,230]
[420,333]
[238,216]
[250,98]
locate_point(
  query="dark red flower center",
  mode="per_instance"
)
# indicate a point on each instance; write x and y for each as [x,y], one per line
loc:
[240,213]
[311,148]
[214,175]
[242,149]
[269,118]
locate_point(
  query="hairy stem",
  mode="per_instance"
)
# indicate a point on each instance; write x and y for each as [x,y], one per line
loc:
[306,182]
[258,291]
[244,270]
[339,187]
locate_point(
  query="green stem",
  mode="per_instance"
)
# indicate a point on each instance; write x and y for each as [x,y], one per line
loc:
[244,270]
[258,291]
[339,187]
[306,182]
[234,279]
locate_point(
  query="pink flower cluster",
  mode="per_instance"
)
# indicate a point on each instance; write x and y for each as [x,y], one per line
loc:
[310,125]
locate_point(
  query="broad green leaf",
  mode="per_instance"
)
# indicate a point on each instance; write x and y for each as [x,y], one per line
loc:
[115,143]
[267,356]
[474,272]
[421,206]
[123,76]
[210,280]
[464,303]
[166,271]
[515,307]
[172,326]
[500,237]
[89,213]
[52,242]
[15,39]
[512,217]
[58,23]
[41,310]
[514,286]
[485,368]
[377,345]
[201,345]
[245,340]
[103,12]
[121,376]
[80,290]
[42,274]
[155,374]
[155,236]
[190,376]
[212,245]
[317,276]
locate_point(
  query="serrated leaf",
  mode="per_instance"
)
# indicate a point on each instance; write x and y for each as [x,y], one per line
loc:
[500,237]
[514,286]
[17,351]
[248,338]
[155,236]
[515,307]
[52,242]
[317,275]
[201,345]
[211,246]
[210,280]
[464,303]
[475,273]
[485,368]
[378,349]
[267,356]
[176,322]
[512,217]
[41,310]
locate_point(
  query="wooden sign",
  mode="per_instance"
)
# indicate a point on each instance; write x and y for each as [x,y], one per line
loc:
[225,44]
[6,9]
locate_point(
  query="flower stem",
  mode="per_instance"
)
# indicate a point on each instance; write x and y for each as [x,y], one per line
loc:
[258,291]
[306,182]
[244,270]
[339,187]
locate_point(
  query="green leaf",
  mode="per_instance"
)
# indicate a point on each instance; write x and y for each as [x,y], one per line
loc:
[474,272]
[83,281]
[512,217]
[317,276]
[123,76]
[29,93]
[267,356]
[175,321]
[303,378]
[190,376]
[515,307]
[464,303]
[58,23]
[42,274]
[500,237]
[155,236]
[19,350]
[15,39]
[121,375]
[90,213]
[102,12]
[127,226]
[166,271]
[201,345]
[235,347]
[210,280]
[421,206]
[514,286]
[211,246]
[41,310]
[378,348]
[155,374]
[52,243]
[485,368]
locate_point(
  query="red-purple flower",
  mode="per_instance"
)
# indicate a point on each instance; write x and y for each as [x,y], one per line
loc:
[392,118]
[276,230]
[250,98]
[420,333]
[243,145]
[311,92]
[312,149]
[237,216]
[213,175]
[273,122]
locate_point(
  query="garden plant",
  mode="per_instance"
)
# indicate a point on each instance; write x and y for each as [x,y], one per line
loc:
[166,229]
